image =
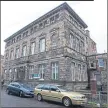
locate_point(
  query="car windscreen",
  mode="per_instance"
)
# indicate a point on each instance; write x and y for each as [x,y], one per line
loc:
[62,88]
[25,86]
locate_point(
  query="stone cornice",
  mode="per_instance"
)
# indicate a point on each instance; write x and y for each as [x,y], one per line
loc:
[60,7]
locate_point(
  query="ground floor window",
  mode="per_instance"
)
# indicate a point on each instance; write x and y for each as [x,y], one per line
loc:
[79,72]
[73,71]
[84,73]
[55,71]
[10,74]
[41,71]
[31,72]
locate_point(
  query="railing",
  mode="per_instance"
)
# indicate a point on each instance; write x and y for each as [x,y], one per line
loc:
[97,100]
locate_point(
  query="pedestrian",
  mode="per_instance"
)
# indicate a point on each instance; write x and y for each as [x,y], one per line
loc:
[2,83]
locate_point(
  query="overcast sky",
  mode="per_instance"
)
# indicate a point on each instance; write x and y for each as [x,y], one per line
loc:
[17,14]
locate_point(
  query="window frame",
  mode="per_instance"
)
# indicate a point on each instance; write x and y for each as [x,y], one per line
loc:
[55,74]
[32,48]
[41,45]
[24,54]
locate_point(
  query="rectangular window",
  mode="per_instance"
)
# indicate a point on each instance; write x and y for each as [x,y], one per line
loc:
[10,74]
[31,30]
[18,37]
[11,55]
[52,19]
[7,54]
[24,34]
[73,71]
[41,71]
[17,53]
[54,71]
[84,73]
[79,72]
[77,44]
[5,74]
[40,25]
[35,28]
[42,45]
[31,72]
[56,16]
[24,50]
[45,22]
[100,62]
[32,50]
[71,40]
[15,73]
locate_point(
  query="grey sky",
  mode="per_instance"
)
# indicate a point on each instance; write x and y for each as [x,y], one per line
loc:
[17,14]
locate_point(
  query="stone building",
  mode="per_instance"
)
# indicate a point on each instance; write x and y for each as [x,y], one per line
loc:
[2,65]
[51,49]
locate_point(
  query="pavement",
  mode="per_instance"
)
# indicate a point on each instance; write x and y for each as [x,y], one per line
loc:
[16,101]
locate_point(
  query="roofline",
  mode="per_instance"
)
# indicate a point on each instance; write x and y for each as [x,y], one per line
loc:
[63,5]
[75,15]
[97,54]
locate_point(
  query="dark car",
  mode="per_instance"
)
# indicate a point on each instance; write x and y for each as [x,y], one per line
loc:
[20,89]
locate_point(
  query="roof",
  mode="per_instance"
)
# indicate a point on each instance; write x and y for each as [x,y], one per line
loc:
[62,6]
[97,54]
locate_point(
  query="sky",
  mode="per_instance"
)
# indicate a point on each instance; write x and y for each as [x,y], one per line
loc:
[17,14]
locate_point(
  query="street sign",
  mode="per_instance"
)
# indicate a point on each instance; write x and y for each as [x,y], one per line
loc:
[36,75]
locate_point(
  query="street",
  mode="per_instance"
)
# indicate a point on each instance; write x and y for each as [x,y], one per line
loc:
[16,101]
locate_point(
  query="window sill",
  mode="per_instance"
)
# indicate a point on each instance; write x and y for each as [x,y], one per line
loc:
[41,79]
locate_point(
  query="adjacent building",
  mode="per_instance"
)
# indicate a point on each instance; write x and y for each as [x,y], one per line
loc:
[97,67]
[51,49]
[2,66]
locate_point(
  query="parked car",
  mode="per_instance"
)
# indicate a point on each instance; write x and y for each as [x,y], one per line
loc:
[20,89]
[59,94]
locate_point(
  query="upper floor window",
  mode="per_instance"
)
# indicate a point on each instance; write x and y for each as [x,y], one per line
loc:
[55,71]
[31,30]
[40,25]
[42,45]
[32,48]
[45,22]
[24,50]
[56,16]
[52,19]
[24,34]
[11,54]
[18,37]
[77,44]
[54,40]
[13,40]
[17,52]
[71,40]
[35,28]
[7,54]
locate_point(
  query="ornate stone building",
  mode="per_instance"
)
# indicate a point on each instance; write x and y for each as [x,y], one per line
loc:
[51,49]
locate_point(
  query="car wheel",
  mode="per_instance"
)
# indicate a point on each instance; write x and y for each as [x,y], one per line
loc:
[21,94]
[7,91]
[67,102]
[39,97]
[32,96]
